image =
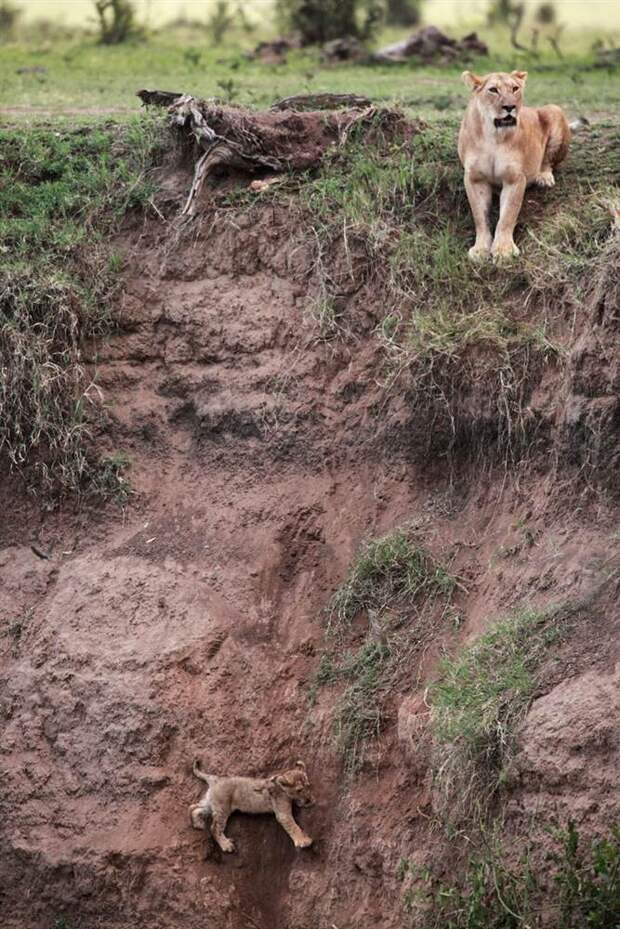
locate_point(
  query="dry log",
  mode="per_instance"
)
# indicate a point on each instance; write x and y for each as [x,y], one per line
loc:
[277,140]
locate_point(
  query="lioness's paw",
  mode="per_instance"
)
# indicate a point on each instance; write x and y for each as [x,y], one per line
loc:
[227,845]
[504,252]
[546,179]
[479,253]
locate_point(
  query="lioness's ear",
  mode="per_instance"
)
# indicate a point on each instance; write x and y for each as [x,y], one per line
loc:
[283,781]
[471,80]
[520,75]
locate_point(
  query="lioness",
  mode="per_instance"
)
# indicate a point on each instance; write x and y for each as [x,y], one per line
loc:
[505,144]
[252,795]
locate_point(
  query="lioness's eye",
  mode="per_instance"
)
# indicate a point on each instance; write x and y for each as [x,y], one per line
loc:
[515,89]
[494,90]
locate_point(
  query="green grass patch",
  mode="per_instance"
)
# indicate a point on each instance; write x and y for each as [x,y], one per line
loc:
[97,81]
[479,700]
[62,194]
[386,570]
[500,891]
[404,591]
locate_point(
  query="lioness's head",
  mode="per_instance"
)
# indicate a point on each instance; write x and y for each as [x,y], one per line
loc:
[499,96]
[294,783]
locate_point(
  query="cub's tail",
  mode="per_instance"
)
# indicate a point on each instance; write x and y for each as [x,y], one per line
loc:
[199,772]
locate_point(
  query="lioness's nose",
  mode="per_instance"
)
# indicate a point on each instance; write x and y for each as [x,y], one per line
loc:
[508,108]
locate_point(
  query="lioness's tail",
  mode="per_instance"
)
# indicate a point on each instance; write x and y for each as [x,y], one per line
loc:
[199,772]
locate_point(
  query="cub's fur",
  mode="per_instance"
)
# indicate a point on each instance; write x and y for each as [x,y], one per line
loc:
[274,794]
[503,143]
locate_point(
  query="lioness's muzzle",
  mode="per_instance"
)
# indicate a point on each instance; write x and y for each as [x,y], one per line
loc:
[505,121]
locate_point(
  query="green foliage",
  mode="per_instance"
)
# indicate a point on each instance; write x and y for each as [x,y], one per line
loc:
[108,479]
[496,892]
[220,21]
[359,713]
[387,569]
[479,700]
[317,21]
[116,21]
[587,880]
[60,195]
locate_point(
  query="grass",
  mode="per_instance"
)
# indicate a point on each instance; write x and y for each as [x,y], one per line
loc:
[397,584]
[62,195]
[478,702]
[498,891]
[390,569]
[95,81]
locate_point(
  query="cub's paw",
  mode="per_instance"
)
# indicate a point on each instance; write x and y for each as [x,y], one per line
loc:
[304,842]
[545,179]
[227,845]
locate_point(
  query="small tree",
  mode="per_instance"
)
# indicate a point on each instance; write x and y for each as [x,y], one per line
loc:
[318,21]
[116,21]
[220,21]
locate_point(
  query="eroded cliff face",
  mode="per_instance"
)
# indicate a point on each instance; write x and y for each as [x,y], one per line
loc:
[190,623]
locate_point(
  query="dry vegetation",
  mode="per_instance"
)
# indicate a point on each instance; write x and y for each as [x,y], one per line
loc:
[62,194]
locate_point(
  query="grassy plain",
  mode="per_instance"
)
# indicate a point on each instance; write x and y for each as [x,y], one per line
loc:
[85,81]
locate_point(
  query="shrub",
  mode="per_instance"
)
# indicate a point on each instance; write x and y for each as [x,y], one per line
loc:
[116,21]
[496,891]
[318,21]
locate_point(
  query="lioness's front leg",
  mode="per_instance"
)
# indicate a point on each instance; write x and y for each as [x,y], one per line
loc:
[510,202]
[300,839]
[479,194]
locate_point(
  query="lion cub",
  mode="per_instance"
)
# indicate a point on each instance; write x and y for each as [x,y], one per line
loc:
[252,795]
[503,143]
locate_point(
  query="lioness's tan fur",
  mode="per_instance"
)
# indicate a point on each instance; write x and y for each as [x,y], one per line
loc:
[496,153]
[276,794]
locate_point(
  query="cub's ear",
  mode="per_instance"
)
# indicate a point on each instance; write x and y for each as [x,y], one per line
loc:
[300,764]
[520,75]
[472,80]
[273,785]
[282,780]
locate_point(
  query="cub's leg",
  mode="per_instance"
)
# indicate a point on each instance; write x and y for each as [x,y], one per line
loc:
[479,194]
[197,813]
[299,837]
[510,202]
[218,824]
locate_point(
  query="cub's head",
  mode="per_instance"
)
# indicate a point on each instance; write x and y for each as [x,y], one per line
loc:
[294,783]
[499,96]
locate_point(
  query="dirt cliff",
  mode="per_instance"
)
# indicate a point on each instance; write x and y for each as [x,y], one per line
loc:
[191,621]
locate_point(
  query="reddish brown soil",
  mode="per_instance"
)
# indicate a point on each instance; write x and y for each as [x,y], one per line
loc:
[190,622]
